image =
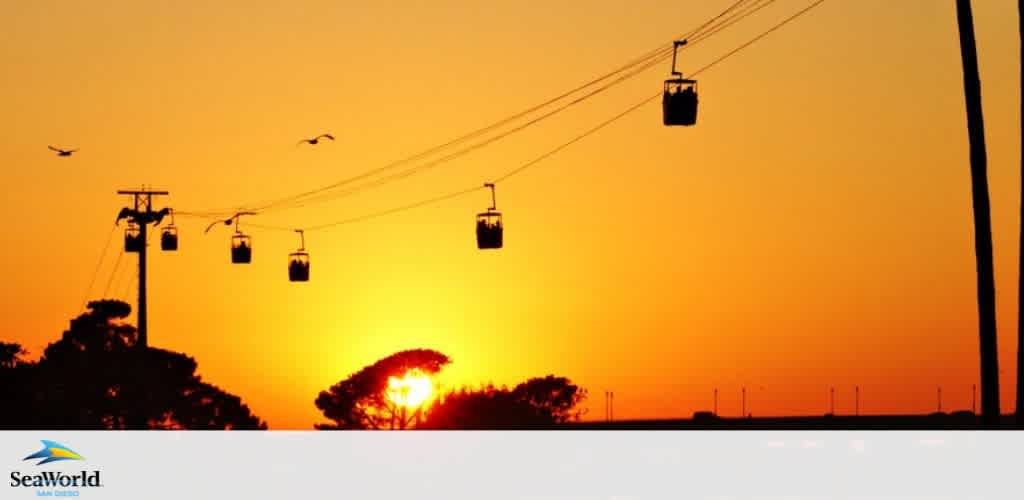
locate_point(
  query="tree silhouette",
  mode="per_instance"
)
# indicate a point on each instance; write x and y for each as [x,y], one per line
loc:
[98,377]
[484,408]
[360,401]
[554,398]
[1020,249]
[11,355]
[536,403]
[14,390]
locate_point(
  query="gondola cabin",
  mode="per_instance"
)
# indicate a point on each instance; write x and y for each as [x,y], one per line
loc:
[133,238]
[489,230]
[488,225]
[241,249]
[169,239]
[298,266]
[298,261]
[679,102]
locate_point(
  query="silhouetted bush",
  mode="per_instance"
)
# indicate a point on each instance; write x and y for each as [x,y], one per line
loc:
[536,403]
[97,377]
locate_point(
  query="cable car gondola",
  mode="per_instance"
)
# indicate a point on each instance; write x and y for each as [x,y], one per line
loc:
[488,225]
[679,102]
[169,237]
[241,246]
[133,238]
[298,261]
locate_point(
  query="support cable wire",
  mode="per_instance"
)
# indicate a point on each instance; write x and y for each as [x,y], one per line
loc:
[402,208]
[119,284]
[227,218]
[471,148]
[325,197]
[99,264]
[736,17]
[475,188]
[646,61]
[132,278]
[451,156]
[562,146]
[700,30]
[574,140]
[759,37]
[289,201]
[113,272]
[659,53]
[278,161]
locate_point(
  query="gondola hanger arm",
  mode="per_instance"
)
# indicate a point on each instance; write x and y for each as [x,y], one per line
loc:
[494,204]
[229,220]
[675,48]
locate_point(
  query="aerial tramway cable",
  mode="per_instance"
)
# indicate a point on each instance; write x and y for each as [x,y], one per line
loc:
[457,154]
[661,56]
[113,272]
[560,147]
[732,19]
[644,60]
[489,227]
[99,264]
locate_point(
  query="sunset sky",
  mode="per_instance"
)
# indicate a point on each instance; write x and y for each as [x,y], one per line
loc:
[813,230]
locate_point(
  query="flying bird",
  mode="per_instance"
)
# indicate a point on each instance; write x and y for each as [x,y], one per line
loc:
[62,152]
[316,139]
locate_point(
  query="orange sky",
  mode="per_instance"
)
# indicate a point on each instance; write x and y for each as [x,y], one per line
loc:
[814,229]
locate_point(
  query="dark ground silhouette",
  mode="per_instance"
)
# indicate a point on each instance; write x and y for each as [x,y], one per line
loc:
[537,403]
[963,420]
[97,377]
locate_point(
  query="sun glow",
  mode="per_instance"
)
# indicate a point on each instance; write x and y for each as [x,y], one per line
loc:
[411,390]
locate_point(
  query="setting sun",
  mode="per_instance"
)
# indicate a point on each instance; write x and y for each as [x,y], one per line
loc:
[411,390]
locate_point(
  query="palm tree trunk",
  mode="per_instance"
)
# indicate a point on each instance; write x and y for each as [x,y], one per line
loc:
[982,220]
[1020,267]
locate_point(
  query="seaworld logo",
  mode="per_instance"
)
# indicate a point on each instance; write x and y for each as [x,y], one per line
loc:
[54,452]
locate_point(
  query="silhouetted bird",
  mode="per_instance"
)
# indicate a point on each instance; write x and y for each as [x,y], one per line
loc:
[124,214]
[317,139]
[62,152]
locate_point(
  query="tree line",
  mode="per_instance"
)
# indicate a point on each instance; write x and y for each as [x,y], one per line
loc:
[97,376]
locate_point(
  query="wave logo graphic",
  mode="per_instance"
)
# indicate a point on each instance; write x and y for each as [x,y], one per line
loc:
[52,452]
